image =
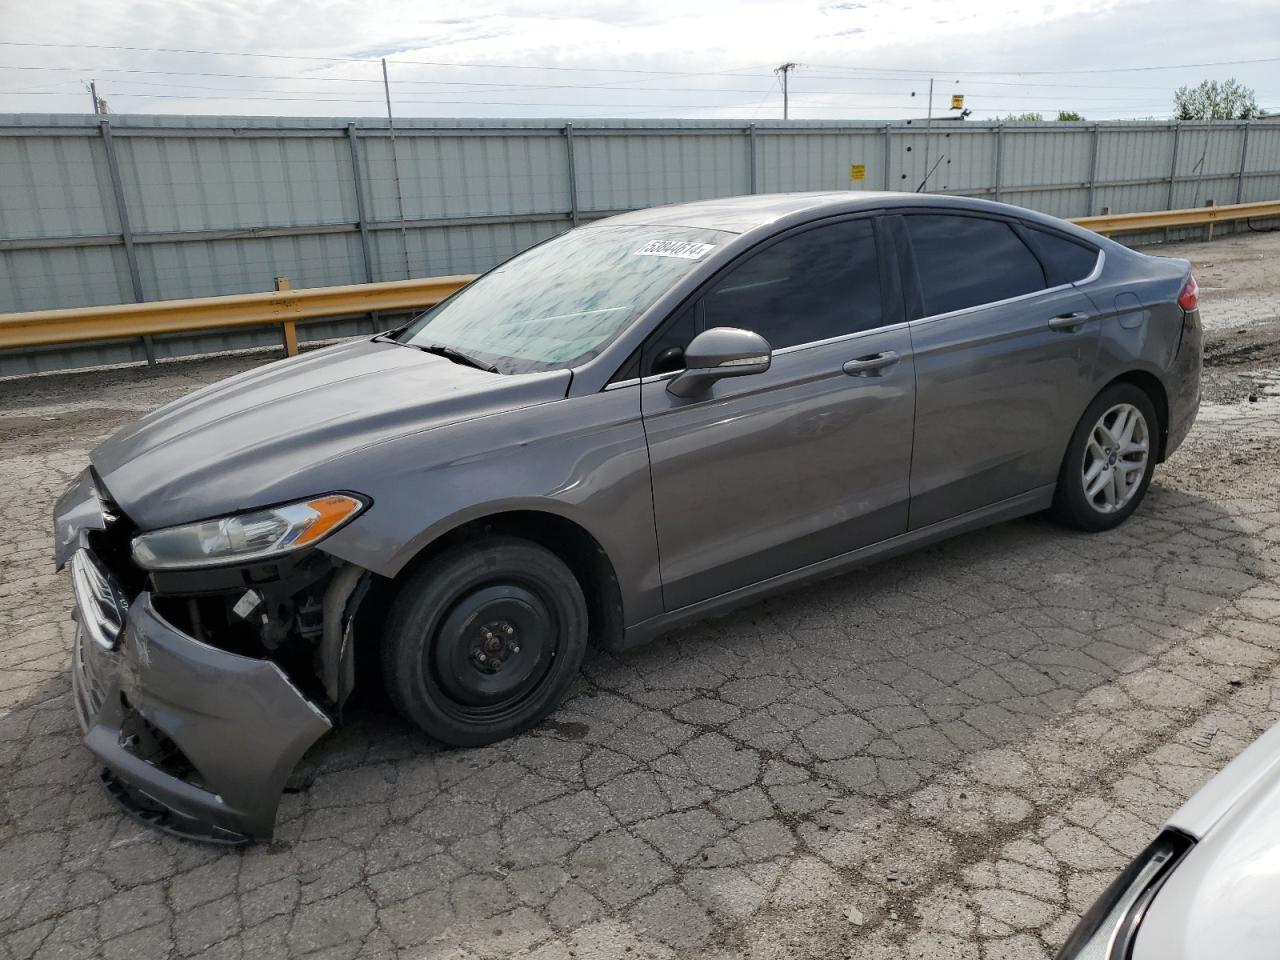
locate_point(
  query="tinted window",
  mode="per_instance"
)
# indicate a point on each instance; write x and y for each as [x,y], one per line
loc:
[1065,261]
[964,261]
[811,286]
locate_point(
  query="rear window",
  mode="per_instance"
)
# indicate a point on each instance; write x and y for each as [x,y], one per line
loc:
[1065,261]
[963,262]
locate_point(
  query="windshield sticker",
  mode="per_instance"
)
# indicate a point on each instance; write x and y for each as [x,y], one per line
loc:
[684,249]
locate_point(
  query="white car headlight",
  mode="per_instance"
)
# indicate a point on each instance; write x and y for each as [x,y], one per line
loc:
[260,534]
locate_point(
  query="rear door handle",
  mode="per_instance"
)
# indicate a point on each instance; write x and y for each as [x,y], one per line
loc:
[871,364]
[1068,321]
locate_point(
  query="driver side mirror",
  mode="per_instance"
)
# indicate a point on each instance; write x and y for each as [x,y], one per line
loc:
[718,353]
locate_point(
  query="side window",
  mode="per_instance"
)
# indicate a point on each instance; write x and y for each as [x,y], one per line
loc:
[818,284]
[1065,261]
[966,261]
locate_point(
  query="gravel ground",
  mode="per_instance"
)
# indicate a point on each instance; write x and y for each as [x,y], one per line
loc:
[944,756]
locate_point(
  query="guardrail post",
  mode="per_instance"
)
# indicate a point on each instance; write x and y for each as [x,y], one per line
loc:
[1244,156]
[289,327]
[1093,169]
[358,180]
[999,161]
[126,232]
[573,174]
[751,160]
[888,184]
[1208,233]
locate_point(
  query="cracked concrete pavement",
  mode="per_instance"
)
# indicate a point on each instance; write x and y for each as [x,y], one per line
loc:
[947,755]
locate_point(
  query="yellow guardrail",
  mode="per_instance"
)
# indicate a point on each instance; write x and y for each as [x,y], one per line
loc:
[286,306]
[283,306]
[1110,223]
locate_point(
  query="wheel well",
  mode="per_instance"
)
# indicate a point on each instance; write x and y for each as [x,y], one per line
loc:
[1153,388]
[571,543]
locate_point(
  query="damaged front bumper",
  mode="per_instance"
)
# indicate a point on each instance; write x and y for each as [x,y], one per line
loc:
[195,739]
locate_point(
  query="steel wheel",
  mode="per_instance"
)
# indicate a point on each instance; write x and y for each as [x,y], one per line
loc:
[493,649]
[484,639]
[1115,458]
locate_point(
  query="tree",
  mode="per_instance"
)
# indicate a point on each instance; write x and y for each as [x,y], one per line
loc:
[1069,115]
[1021,118]
[1211,100]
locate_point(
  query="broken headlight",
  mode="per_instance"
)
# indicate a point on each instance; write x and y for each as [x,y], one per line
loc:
[257,535]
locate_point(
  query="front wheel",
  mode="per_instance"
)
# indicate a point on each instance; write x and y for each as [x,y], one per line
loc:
[1109,461]
[483,641]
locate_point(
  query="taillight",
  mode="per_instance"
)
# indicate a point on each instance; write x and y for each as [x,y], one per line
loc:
[1189,299]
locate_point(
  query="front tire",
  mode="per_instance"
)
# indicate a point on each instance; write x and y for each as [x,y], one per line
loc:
[1110,460]
[484,640]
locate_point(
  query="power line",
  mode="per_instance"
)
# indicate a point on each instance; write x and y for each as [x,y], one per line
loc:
[1076,70]
[369,60]
[508,66]
[321,96]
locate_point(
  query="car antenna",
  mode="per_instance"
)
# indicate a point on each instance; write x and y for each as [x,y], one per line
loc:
[930,173]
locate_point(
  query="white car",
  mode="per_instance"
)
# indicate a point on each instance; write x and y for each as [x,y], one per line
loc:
[1208,887]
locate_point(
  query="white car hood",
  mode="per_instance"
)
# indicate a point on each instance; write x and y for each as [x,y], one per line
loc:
[1223,899]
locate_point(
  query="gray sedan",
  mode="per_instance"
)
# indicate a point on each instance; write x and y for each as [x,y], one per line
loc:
[636,424]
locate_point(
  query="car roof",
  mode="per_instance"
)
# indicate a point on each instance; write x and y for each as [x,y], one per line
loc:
[745,213]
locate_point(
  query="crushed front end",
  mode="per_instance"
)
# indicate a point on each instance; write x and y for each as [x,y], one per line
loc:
[200,690]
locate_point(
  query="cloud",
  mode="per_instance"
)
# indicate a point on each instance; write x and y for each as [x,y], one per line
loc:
[859,58]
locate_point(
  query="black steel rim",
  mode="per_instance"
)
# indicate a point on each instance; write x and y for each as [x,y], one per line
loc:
[492,648]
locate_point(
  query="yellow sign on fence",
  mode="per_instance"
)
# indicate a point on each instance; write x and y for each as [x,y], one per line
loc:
[957,101]
[858,171]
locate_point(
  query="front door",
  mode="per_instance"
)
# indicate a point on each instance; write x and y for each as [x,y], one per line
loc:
[768,473]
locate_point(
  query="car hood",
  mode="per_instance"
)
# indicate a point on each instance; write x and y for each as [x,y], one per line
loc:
[252,439]
[1220,901]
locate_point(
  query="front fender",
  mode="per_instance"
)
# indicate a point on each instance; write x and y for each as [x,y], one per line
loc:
[584,459]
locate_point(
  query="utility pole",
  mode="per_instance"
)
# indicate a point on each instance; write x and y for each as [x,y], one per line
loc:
[395,168]
[99,106]
[785,69]
[928,124]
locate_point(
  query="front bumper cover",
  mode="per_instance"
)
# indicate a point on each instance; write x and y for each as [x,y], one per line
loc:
[195,739]
[239,723]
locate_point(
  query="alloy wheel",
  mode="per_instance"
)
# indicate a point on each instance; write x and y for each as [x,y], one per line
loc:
[1115,458]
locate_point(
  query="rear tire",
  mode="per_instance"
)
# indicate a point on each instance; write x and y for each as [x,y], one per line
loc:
[484,640]
[1110,460]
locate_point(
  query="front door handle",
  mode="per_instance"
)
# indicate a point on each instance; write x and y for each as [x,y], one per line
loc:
[1067,322]
[871,365]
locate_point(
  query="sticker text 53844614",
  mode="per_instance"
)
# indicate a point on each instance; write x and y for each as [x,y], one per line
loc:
[684,249]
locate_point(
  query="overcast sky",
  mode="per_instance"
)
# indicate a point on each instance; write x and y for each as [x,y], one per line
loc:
[866,60]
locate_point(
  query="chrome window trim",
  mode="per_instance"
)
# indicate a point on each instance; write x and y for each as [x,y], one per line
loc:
[1095,273]
[994,303]
[619,384]
[856,335]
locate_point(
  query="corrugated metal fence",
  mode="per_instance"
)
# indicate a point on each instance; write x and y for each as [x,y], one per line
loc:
[149,208]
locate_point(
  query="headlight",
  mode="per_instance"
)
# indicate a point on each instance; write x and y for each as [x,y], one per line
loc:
[245,536]
[1107,930]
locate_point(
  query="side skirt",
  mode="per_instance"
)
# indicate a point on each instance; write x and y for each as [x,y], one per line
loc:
[1031,502]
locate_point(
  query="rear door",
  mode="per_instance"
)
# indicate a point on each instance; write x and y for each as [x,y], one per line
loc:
[771,472]
[1004,351]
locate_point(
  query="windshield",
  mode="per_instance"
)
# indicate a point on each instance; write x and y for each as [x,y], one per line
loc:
[561,302]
